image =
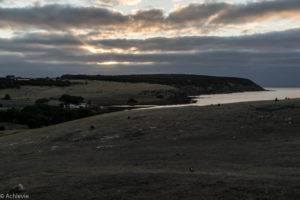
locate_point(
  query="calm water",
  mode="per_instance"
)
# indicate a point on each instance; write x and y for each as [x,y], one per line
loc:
[280,93]
[271,94]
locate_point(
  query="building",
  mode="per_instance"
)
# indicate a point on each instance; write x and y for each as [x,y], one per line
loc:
[76,106]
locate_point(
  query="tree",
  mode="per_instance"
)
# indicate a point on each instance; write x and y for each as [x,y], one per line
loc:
[68,99]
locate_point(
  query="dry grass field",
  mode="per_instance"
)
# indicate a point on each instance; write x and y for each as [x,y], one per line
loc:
[233,152]
[98,92]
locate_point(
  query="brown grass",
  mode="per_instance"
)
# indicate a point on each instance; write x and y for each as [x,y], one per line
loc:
[236,152]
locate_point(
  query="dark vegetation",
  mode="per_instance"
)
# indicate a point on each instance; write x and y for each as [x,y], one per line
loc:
[6,97]
[132,101]
[42,101]
[68,99]
[191,84]
[275,107]
[40,115]
[18,82]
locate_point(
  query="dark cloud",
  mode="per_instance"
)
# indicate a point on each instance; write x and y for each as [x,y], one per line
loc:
[259,11]
[259,56]
[43,39]
[196,13]
[275,41]
[214,58]
[272,69]
[285,40]
[276,47]
[148,17]
[60,17]
[205,16]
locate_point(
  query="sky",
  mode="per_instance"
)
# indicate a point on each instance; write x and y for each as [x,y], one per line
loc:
[255,39]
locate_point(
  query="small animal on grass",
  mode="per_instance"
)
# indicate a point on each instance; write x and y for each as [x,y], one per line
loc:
[92,127]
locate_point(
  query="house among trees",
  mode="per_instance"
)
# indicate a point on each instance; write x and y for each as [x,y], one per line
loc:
[76,106]
[10,77]
[73,102]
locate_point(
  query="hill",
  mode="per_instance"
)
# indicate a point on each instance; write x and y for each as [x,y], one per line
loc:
[192,84]
[230,152]
[101,93]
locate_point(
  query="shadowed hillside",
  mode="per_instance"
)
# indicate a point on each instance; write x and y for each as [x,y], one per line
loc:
[192,84]
[18,82]
[229,152]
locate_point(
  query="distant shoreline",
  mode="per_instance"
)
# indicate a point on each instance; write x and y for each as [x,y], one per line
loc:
[47,101]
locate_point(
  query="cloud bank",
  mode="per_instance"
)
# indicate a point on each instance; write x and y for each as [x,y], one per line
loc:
[204,17]
[56,39]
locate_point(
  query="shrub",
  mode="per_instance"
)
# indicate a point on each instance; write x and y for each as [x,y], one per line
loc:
[42,115]
[42,101]
[68,99]
[131,101]
[6,97]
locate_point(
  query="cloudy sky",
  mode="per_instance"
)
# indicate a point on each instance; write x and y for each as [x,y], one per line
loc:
[256,39]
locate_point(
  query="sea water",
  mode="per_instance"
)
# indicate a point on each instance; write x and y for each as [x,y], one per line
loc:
[270,94]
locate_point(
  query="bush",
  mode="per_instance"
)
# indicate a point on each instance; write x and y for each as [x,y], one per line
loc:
[42,101]
[42,115]
[6,97]
[68,99]
[131,101]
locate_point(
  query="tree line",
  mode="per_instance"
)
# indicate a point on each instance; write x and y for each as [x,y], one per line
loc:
[17,83]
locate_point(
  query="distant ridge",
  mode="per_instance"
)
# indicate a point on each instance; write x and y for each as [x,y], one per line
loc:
[191,84]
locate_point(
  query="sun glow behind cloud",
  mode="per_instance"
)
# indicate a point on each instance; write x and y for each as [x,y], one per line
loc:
[95,50]
[112,63]
[176,36]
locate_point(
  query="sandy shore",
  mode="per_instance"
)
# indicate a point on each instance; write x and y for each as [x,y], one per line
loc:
[234,151]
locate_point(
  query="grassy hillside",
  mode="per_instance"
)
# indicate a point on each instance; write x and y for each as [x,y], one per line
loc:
[98,92]
[193,84]
[229,152]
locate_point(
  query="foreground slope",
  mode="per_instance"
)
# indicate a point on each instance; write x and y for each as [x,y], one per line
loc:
[235,151]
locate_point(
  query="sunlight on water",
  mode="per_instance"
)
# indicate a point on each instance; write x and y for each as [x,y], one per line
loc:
[271,94]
